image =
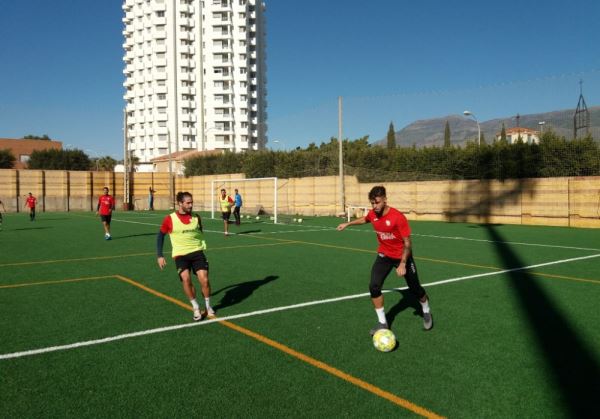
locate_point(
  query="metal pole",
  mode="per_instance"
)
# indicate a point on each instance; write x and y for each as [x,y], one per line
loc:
[341,154]
[170,169]
[125,162]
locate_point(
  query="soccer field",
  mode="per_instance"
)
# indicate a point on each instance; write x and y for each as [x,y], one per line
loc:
[92,328]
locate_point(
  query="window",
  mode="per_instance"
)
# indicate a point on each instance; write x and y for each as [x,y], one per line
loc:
[243,70]
[160,13]
[161,96]
[161,110]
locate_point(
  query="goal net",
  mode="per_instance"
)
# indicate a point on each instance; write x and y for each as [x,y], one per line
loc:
[259,197]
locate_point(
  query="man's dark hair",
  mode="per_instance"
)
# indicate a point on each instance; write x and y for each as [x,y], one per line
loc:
[376,192]
[182,195]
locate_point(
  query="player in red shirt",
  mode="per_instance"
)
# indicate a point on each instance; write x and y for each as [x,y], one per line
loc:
[30,203]
[394,251]
[106,205]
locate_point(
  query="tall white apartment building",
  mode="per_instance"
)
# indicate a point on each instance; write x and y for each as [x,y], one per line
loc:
[195,76]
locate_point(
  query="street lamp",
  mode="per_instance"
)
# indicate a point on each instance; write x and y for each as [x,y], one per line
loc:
[278,143]
[541,124]
[469,113]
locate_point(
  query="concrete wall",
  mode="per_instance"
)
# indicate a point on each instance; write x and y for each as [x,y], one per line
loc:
[567,201]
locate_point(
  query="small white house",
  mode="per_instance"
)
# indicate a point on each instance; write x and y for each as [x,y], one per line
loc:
[528,136]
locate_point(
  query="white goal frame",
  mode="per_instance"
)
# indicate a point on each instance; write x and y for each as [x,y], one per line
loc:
[220,181]
[351,208]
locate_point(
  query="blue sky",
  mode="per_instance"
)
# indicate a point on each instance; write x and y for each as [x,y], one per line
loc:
[391,61]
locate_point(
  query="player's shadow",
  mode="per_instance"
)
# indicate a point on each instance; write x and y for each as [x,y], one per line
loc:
[406,302]
[134,235]
[249,231]
[236,293]
[32,228]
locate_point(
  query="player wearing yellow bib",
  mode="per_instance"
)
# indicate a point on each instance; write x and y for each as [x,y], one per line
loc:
[226,203]
[187,241]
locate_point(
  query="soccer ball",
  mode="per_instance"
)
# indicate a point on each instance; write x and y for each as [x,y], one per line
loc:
[299,220]
[247,217]
[257,217]
[384,340]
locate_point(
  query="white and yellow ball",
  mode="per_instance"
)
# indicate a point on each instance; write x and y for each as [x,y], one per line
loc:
[384,340]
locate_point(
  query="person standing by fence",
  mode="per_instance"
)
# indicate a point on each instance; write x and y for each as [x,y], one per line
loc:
[237,198]
[30,203]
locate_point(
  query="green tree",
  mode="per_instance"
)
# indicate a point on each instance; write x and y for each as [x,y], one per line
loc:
[36,137]
[7,159]
[447,142]
[391,137]
[503,134]
[106,163]
[59,160]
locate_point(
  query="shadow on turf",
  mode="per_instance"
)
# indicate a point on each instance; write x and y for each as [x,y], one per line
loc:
[249,231]
[31,228]
[236,293]
[133,235]
[570,362]
[407,301]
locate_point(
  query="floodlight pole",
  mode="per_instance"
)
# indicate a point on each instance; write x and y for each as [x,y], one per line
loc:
[126,197]
[341,155]
[171,199]
[469,113]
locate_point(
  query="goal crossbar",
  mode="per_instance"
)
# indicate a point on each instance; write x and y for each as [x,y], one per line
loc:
[221,181]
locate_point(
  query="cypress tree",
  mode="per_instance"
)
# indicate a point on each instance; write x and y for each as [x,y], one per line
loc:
[391,137]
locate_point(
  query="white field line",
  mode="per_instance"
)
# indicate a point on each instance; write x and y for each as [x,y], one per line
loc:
[267,311]
[317,228]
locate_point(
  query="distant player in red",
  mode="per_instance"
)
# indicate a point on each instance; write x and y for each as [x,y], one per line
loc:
[394,252]
[3,209]
[30,203]
[106,205]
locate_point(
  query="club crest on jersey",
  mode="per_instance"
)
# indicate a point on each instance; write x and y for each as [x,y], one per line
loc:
[387,223]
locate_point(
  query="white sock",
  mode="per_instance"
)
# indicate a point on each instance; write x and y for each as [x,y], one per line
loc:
[425,306]
[381,315]
[207,303]
[195,304]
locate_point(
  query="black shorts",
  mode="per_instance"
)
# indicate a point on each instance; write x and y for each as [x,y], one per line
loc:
[195,261]
[106,218]
[383,265]
[226,215]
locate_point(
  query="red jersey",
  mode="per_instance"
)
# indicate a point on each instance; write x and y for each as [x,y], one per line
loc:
[106,204]
[390,229]
[31,201]
[167,225]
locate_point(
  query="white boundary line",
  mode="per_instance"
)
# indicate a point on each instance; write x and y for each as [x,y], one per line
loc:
[267,311]
[317,228]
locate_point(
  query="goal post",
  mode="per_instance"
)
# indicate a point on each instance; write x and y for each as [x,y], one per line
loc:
[351,210]
[250,199]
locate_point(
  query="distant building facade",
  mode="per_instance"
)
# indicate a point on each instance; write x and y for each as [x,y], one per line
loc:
[528,136]
[195,76]
[22,148]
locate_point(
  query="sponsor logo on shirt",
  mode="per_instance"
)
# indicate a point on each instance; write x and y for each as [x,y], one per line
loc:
[385,236]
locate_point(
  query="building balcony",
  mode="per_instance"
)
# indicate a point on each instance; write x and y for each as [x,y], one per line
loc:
[159,62]
[160,89]
[158,7]
[159,34]
[156,20]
